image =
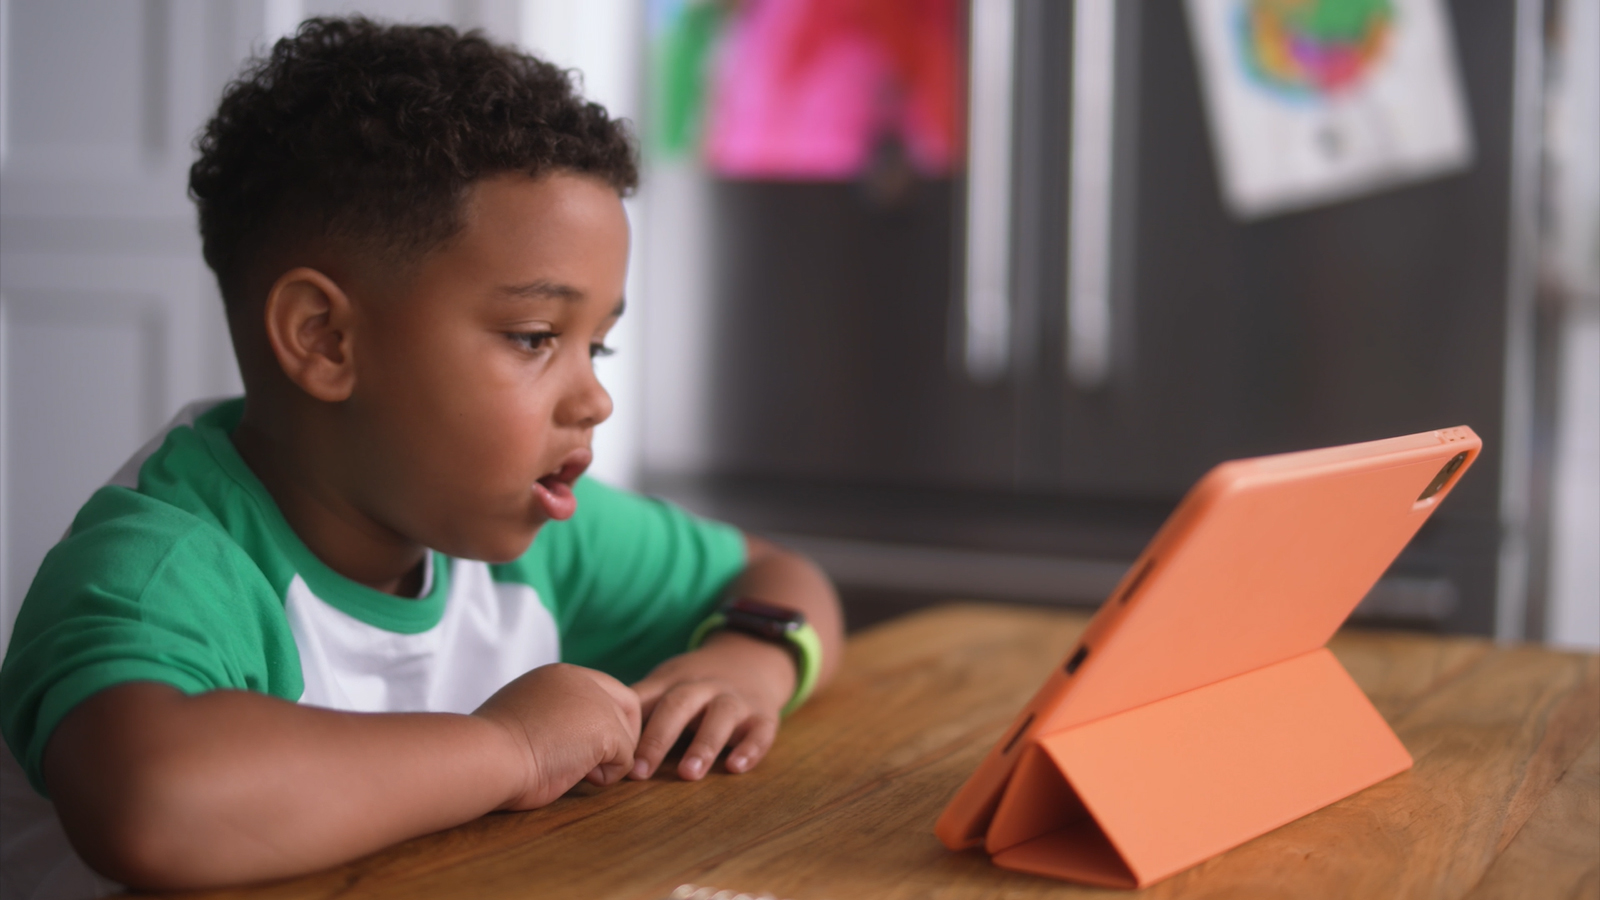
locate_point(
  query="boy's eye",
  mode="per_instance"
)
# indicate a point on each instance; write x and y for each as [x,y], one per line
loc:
[540,340]
[531,340]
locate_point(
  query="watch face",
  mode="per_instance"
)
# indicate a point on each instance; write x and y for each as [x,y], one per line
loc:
[762,619]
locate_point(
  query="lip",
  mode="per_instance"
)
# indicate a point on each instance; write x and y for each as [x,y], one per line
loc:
[553,490]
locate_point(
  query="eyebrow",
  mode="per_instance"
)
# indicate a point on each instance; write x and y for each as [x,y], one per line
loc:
[543,290]
[551,290]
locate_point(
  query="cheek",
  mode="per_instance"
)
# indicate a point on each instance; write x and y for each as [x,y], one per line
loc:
[501,422]
[448,404]
[414,360]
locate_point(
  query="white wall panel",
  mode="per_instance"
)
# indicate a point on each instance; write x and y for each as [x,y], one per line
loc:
[83,382]
[102,100]
[197,359]
[86,111]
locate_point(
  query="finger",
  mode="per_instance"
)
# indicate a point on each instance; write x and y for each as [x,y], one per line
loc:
[609,772]
[758,739]
[616,760]
[649,691]
[723,715]
[671,714]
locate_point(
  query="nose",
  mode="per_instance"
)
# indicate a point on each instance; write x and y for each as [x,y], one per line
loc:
[586,403]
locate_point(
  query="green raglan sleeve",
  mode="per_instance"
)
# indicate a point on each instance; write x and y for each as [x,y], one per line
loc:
[628,577]
[138,592]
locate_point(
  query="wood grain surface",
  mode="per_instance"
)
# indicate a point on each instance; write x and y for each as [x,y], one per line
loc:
[1504,799]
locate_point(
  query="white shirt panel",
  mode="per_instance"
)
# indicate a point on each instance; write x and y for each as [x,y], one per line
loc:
[490,633]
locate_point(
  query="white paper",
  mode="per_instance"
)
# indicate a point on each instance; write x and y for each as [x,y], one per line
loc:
[1288,134]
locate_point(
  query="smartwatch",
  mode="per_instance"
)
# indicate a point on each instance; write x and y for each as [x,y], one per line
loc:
[778,625]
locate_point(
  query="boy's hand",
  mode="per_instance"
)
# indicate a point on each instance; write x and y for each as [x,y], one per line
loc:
[731,690]
[565,723]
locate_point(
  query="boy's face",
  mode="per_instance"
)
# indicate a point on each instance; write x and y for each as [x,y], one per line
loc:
[475,398]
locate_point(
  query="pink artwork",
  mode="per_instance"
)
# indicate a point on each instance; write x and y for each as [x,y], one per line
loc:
[809,89]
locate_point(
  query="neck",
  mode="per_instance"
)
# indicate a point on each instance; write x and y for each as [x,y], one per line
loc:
[322,511]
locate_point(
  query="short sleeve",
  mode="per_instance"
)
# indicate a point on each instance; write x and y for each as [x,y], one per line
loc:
[628,577]
[146,593]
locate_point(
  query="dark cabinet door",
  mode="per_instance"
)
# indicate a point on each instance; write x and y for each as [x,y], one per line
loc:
[834,341]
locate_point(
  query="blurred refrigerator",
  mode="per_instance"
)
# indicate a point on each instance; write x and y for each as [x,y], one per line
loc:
[942,391]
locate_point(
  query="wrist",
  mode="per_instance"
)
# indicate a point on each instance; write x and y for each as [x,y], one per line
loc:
[510,759]
[767,669]
[777,625]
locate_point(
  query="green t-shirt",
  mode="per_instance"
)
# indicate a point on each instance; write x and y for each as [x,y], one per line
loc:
[186,573]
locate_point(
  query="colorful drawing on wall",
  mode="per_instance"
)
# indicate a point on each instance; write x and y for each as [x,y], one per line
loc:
[1313,101]
[1313,50]
[811,89]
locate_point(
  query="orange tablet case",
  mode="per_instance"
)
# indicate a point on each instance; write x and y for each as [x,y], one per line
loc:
[1200,709]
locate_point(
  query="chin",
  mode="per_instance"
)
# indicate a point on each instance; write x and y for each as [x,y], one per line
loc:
[493,546]
[500,548]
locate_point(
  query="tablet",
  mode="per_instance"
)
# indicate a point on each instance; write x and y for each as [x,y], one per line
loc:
[1200,708]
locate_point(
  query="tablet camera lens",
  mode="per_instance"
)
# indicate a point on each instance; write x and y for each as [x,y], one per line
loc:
[1443,478]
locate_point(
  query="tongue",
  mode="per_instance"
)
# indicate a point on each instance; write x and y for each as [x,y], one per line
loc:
[556,498]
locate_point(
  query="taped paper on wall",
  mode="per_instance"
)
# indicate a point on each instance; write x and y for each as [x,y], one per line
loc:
[1313,101]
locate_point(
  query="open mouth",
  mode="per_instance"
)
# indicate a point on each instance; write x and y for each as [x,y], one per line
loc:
[554,490]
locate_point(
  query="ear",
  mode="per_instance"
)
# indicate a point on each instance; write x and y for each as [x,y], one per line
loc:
[310,324]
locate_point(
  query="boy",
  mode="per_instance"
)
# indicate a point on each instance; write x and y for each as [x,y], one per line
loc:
[314,622]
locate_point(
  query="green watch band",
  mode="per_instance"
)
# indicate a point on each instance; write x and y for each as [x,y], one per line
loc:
[808,659]
[801,638]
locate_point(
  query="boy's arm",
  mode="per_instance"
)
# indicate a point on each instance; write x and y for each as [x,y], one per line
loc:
[736,684]
[158,789]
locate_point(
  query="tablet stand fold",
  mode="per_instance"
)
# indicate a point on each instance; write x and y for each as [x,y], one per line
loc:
[1132,798]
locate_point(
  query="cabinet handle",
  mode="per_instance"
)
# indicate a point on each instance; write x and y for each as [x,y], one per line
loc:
[991,68]
[1088,337]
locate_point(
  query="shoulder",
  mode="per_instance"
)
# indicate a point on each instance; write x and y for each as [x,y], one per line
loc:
[170,500]
[123,539]
[136,570]
[155,551]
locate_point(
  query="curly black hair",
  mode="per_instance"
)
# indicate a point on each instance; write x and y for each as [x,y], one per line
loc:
[370,134]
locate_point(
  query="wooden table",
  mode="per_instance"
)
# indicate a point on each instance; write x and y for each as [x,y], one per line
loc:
[1504,800]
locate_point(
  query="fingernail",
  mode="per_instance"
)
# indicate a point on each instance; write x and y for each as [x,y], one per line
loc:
[694,765]
[641,769]
[736,763]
